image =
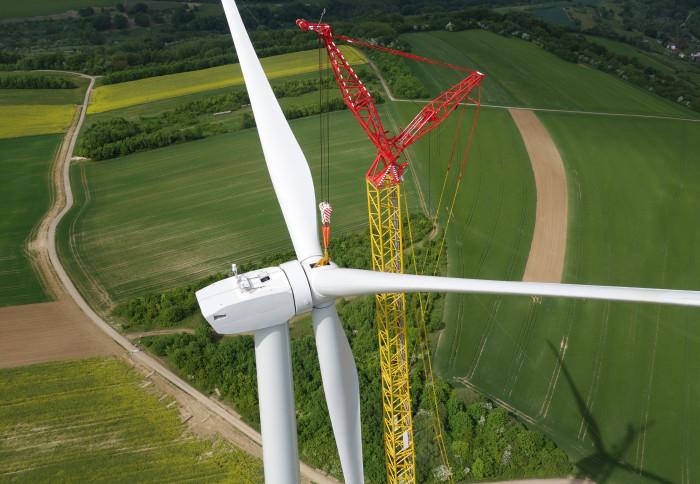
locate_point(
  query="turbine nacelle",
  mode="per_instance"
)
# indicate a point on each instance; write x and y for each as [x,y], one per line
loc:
[260,299]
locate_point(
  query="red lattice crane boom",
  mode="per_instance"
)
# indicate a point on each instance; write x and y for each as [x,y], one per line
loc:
[360,102]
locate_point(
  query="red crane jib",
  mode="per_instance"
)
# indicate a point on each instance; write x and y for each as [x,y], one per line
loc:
[385,170]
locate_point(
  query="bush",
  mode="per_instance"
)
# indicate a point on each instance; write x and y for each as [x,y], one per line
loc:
[142,20]
[101,22]
[120,22]
[165,309]
[138,8]
[399,77]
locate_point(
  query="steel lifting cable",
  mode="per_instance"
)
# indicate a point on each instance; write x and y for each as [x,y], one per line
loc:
[320,116]
[423,332]
[324,129]
[324,118]
[459,181]
[447,173]
[425,352]
[327,116]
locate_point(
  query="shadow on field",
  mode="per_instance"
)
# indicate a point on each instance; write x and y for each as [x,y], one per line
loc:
[600,465]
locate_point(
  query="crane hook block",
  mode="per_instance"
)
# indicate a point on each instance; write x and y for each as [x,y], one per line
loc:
[326,210]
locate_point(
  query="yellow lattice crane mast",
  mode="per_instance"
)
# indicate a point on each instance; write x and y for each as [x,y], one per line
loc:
[384,187]
[386,238]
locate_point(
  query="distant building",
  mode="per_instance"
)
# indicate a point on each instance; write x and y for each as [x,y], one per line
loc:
[695,56]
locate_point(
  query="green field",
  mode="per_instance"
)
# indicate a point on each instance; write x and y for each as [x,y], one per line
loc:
[149,221]
[29,122]
[90,421]
[27,97]
[32,119]
[632,222]
[24,163]
[158,219]
[495,204]
[552,12]
[522,74]
[644,57]
[143,91]
[622,399]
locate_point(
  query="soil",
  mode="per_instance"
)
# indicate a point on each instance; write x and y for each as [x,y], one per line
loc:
[546,260]
[37,333]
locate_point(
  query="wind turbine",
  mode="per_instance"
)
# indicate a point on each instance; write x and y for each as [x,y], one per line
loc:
[263,301]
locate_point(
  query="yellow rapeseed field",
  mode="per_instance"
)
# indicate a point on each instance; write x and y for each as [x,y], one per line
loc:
[29,120]
[115,96]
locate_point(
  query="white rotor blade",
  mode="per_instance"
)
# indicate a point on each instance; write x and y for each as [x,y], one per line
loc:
[333,282]
[342,390]
[286,163]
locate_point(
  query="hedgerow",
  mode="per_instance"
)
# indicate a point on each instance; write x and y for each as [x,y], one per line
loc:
[35,82]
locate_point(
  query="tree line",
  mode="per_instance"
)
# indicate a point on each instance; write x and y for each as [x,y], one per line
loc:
[168,48]
[197,41]
[483,441]
[115,137]
[222,54]
[35,82]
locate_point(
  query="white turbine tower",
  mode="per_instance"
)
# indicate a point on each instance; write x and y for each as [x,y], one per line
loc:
[263,301]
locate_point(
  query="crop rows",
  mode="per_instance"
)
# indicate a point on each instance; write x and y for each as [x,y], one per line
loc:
[24,165]
[86,420]
[632,223]
[115,96]
[622,388]
[158,219]
[30,120]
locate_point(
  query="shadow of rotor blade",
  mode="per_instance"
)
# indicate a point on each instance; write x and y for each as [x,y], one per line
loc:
[600,465]
[590,424]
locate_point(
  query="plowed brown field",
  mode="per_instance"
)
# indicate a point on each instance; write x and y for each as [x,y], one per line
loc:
[37,333]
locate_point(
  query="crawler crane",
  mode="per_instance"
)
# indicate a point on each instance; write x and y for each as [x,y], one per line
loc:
[384,190]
